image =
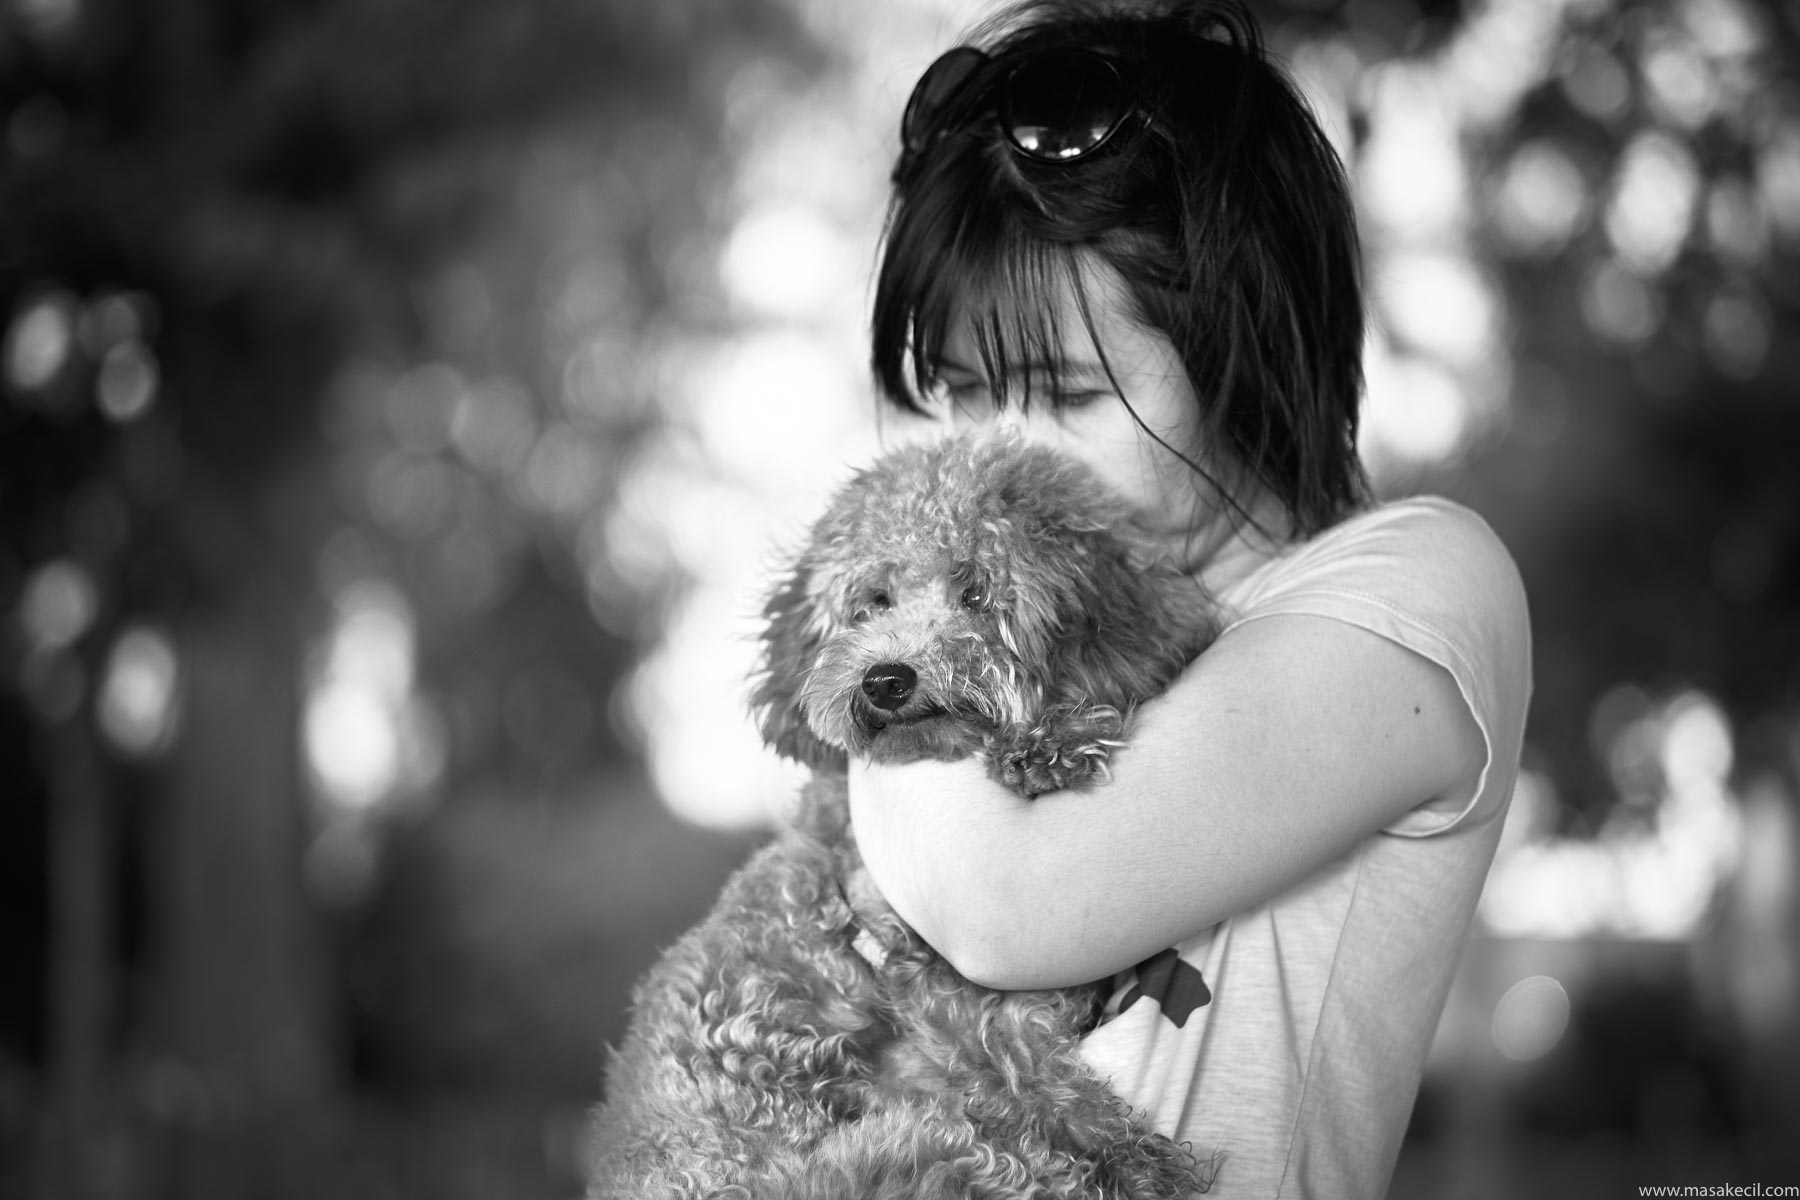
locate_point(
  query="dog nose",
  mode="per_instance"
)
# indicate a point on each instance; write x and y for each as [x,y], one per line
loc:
[887,685]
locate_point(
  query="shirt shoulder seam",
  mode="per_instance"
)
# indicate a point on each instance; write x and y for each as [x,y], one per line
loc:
[1451,644]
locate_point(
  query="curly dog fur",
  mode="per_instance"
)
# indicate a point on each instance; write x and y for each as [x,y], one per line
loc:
[974,596]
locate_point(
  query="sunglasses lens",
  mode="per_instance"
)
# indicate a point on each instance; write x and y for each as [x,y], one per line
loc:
[935,89]
[1063,105]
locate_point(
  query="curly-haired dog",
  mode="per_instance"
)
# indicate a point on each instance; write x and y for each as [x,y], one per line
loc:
[976,596]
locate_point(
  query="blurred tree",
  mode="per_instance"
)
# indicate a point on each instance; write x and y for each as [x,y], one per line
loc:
[1644,484]
[1640,212]
[212,215]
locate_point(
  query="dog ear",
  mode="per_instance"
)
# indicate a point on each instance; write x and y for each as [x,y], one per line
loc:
[1131,626]
[791,642]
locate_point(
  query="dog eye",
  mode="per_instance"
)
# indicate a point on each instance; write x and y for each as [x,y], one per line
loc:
[975,597]
[877,603]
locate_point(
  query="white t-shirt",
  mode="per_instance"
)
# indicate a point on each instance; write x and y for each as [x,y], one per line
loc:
[1290,1038]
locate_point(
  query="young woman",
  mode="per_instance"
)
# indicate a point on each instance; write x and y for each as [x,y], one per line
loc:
[1118,227]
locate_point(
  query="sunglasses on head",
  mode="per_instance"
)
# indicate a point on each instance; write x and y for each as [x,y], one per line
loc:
[1056,106]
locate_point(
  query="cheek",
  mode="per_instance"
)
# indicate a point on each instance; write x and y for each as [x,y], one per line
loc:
[1116,450]
[1145,472]
[972,412]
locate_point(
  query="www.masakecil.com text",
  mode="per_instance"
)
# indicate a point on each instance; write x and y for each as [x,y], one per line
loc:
[1722,1189]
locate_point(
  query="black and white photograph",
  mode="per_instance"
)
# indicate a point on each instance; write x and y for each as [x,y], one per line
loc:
[899,599]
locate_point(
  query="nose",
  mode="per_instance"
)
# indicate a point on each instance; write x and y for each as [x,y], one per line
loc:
[1040,424]
[1016,419]
[887,685]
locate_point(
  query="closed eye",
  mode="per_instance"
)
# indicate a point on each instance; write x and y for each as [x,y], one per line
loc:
[1080,398]
[961,393]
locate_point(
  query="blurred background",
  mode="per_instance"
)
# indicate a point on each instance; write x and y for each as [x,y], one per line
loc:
[403,404]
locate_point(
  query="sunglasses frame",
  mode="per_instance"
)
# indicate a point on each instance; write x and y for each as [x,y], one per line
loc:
[932,109]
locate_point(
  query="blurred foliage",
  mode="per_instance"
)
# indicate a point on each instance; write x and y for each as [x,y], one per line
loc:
[240,246]
[1642,487]
[1647,497]
[283,193]
[1634,192]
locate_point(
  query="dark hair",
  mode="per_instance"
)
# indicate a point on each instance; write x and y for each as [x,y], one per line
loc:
[1223,208]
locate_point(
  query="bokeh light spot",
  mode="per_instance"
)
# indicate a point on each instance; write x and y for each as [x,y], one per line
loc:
[1652,206]
[1411,179]
[351,744]
[494,425]
[1542,200]
[784,260]
[1441,304]
[367,735]
[48,20]
[1619,305]
[138,696]
[1725,30]
[126,387]
[1778,178]
[1415,411]
[771,399]
[1596,83]
[39,341]
[59,604]
[1680,85]
[707,757]
[1696,743]
[1530,1018]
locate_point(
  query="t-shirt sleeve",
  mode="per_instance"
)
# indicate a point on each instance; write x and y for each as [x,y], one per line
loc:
[1429,575]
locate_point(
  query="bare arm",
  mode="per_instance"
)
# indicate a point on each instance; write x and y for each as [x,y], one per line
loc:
[1289,741]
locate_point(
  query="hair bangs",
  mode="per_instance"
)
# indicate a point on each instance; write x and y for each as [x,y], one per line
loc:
[993,276]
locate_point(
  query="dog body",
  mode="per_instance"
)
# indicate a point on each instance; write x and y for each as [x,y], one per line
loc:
[976,596]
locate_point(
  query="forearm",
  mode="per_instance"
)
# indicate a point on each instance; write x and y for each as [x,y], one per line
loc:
[1039,893]
[1274,755]
[963,860]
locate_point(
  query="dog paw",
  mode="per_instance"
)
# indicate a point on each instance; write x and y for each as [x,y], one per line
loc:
[1067,748]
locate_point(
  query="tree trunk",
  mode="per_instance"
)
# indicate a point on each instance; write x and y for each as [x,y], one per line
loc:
[81,977]
[244,1013]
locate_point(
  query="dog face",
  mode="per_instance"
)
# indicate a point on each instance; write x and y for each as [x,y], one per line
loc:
[953,589]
